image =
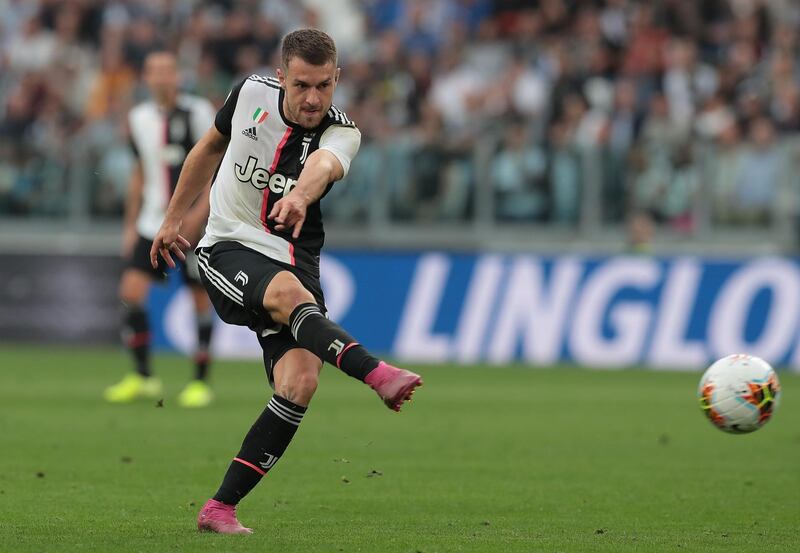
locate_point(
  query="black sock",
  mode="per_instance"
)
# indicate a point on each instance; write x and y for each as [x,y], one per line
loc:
[136,336]
[201,356]
[329,341]
[262,447]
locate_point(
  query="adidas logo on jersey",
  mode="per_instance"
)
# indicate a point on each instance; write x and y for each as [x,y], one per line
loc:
[250,133]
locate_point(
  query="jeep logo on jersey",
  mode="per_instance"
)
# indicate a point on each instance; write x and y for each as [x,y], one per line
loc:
[260,177]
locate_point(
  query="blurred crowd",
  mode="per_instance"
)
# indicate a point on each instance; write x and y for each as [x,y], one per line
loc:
[663,110]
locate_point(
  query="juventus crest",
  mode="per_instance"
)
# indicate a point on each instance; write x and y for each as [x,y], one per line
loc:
[306,144]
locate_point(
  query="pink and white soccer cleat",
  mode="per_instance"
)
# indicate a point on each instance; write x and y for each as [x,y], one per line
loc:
[219,517]
[393,385]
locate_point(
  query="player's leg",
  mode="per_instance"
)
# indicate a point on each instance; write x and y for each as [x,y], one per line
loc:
[288,302]
[133,290]
[197,393]
[296,375]
[205,324]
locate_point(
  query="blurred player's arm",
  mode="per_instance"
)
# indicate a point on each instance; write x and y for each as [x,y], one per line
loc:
[198,169]
[337,148]
[133,205]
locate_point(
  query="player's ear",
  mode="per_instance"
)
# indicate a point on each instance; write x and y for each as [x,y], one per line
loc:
[338,72]
[281,76]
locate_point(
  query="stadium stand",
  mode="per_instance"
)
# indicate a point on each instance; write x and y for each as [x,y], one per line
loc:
[520,119]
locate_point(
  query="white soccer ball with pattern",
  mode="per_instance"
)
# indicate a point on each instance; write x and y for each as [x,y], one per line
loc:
[739,393]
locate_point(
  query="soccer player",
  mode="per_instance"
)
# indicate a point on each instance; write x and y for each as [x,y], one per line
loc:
[283,144]
[162,131]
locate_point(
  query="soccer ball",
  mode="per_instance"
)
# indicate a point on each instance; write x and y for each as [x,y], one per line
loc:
[739,393]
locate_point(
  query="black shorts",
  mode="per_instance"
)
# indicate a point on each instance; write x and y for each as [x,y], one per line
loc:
[140,260]
[235,278]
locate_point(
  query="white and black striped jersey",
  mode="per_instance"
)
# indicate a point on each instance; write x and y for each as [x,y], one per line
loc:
[160,140]
[264,159]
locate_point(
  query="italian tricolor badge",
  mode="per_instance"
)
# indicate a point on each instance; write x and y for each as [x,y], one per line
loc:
[259,115]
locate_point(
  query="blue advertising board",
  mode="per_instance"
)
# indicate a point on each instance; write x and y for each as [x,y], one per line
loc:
[671,312]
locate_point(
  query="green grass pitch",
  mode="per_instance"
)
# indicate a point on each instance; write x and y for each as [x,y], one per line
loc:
[484,459]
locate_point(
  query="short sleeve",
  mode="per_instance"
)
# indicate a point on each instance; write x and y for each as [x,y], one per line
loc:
[224,118]
[343,142]
[202,118]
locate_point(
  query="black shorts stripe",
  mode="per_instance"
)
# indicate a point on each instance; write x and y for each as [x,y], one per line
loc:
[219,282]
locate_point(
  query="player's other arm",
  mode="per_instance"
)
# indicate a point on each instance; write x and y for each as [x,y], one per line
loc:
[133,205]
[198,169]
[321,169]
[338,146]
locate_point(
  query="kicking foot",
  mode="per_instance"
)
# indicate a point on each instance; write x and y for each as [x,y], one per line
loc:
[219,517]
[196,394]
[132,387]
[393,385]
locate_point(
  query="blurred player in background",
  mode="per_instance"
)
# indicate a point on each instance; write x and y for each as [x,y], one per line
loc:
[162,131]
[283,144]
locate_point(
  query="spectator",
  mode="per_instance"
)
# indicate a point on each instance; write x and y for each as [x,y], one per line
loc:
[564,175]
[640,232]
[687,83]
[723,173]
[33,49]
[516,173]
[113,86]
[759,178]
[644,50]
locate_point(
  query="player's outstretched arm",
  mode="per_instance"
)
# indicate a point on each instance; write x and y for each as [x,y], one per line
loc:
[198,169]
[321,169]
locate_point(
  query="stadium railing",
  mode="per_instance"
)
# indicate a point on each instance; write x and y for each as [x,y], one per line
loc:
[400,195]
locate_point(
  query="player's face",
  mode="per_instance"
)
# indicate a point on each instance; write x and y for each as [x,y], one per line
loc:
[309,90]
[161,75]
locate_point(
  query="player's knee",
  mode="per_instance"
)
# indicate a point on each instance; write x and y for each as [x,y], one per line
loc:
[125,293]
[307,384]
[300,387]
[283,295]
[130,297]
[133,288]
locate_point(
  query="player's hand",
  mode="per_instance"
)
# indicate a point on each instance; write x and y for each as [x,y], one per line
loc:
[166,243]
[289,213]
